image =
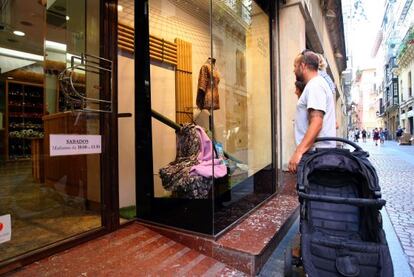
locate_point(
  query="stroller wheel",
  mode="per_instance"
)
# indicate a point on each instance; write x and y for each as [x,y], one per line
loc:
[288,262]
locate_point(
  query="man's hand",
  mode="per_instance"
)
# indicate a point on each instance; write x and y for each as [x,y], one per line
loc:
[315,125]
[294,161]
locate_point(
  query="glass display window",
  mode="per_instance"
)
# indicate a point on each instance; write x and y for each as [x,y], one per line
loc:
[211,107]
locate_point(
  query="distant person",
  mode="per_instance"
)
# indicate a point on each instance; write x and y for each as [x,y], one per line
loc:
[356,135]
[386,133]
[399,133]
[381,135]
[364,135]
[351,134]
[376,136]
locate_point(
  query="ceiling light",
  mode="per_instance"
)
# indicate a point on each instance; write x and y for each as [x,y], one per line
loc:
[67,18]
[120,8]
[19,33]
[10,78]
[20,55]
[52,45]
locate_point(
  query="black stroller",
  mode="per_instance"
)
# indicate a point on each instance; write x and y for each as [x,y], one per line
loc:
[340,224]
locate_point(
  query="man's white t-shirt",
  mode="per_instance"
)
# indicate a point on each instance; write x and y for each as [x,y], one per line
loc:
[317,95]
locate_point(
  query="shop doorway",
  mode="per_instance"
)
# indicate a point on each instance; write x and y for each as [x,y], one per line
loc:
[56,114]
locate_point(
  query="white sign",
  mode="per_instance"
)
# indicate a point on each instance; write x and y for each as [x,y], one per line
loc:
[63,145]
[5,228]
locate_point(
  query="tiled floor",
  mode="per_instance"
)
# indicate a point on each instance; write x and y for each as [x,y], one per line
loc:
[131,251]
[38,211]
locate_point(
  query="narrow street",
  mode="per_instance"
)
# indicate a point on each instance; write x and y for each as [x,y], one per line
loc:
[395,167]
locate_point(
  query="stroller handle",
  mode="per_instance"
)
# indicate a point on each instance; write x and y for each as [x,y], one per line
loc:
[356,146]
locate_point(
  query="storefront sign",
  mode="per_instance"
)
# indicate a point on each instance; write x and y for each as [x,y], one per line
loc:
[5,228]
[63,145]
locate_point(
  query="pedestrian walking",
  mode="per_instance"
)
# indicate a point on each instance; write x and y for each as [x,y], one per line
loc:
[382,136]
[364,135]
[315,110]
[399,133]
[351,134]
[376,136]
[386,133]
[356,135]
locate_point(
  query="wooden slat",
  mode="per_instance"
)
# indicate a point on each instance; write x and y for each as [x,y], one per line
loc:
[184,96]
[160,50]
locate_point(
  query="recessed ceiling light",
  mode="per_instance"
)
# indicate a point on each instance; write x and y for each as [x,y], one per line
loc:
[19,33]
[120,8]
[10,78]
[67,18]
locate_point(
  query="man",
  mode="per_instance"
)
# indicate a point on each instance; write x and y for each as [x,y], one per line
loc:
[315,111]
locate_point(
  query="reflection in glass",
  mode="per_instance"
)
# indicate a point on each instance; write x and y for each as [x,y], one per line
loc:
[240,40]
[48,198]
[210,100]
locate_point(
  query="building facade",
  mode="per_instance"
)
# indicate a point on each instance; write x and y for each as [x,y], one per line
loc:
[366,90]
[405,62]
[397,20]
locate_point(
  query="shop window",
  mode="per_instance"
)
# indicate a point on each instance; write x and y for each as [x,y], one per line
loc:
[51,151]
[211,104]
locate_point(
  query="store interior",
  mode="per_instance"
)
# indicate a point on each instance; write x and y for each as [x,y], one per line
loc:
[55,198]
[50,198]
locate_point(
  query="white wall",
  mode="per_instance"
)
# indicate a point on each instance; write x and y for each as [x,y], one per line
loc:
[292,41]
[126,131]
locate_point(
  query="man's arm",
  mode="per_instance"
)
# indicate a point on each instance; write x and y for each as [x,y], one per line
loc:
[315,126]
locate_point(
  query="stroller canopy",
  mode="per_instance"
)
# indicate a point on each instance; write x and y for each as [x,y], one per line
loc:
[339,160]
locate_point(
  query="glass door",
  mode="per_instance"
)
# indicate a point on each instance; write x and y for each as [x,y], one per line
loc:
[55,105]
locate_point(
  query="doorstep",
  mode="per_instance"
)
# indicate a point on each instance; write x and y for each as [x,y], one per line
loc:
[249,244]
[134,250]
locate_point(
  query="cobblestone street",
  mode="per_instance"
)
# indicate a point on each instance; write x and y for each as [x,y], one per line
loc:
[395,168]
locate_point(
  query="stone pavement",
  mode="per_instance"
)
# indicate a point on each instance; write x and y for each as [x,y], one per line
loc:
[395,168]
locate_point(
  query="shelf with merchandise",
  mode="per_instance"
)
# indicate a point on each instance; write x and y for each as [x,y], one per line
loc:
[24,112]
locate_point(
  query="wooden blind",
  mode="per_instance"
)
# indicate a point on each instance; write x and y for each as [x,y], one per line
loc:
[161,50]
[183,82]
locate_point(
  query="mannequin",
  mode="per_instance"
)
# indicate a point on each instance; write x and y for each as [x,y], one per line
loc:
[207,93]
[207,89]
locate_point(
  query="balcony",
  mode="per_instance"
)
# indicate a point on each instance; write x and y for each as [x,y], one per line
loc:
[405,53]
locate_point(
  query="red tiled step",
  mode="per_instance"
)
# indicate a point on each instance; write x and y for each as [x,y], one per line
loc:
[132,251]
[249,244]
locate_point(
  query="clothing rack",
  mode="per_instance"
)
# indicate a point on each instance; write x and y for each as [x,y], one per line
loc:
[177,127]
